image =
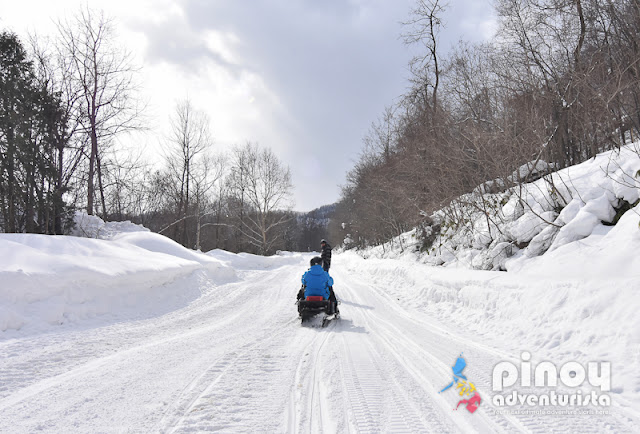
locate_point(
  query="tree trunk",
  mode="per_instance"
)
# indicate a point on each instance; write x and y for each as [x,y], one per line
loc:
[92,163]
[11,206]
[198,221]
[57,199]
[30,211]
[186,209]
[101,188]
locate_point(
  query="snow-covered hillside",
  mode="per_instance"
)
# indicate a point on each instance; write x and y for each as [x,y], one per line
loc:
[572,210]
[134,333]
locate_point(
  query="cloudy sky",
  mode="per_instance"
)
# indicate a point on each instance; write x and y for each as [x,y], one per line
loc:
[303,77]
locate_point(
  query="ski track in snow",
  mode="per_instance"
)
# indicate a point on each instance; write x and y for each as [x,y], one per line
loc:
[237,360]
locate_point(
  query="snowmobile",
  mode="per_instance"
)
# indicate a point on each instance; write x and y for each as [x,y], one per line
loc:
[313,305]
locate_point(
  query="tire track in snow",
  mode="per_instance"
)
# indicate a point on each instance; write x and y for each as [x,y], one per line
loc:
[308,410]
[373,397]
[418,363]
[241,397]
[242,391]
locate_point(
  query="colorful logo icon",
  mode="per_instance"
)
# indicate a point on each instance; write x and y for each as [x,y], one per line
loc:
[466,387]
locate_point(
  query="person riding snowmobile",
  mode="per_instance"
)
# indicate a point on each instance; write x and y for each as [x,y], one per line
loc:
[316,281]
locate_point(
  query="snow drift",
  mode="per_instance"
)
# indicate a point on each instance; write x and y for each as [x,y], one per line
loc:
[50,280]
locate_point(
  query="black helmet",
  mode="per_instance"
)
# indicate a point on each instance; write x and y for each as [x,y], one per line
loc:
[316,261]
[323,241]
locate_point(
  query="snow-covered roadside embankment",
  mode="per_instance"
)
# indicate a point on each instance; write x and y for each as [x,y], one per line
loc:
[50,280]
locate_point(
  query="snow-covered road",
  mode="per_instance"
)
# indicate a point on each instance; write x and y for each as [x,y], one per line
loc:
[236,359]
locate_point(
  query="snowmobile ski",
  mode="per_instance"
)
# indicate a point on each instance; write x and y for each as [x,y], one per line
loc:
[328,318]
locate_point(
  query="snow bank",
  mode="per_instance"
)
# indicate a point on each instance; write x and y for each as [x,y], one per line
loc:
[607,253]
[48,280]
[116,270]
[91,226]
[532,169]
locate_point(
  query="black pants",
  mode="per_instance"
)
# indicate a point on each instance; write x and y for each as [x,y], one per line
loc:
[325,266]
[333,300]
[332,295]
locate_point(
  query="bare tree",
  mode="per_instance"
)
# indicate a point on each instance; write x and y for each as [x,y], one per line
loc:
[262,184]
[124,182]
[207,179]
[544,41]
[422,29]
[189,141]
[104,74]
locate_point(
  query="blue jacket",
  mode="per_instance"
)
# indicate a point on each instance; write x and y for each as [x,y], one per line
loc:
[317,282]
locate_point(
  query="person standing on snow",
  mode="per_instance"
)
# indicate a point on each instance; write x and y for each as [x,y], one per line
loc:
[326,255]
[316,281]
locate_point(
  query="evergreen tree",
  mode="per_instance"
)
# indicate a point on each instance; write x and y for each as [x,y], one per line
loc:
[30,121]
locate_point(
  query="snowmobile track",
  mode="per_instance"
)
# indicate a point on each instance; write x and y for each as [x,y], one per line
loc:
[315,391]
[307,406]
[203,393]
[375,406]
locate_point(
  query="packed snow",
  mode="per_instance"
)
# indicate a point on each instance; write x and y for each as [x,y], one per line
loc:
[123,330]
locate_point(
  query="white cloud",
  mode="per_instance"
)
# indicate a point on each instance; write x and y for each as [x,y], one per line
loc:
[305,78]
